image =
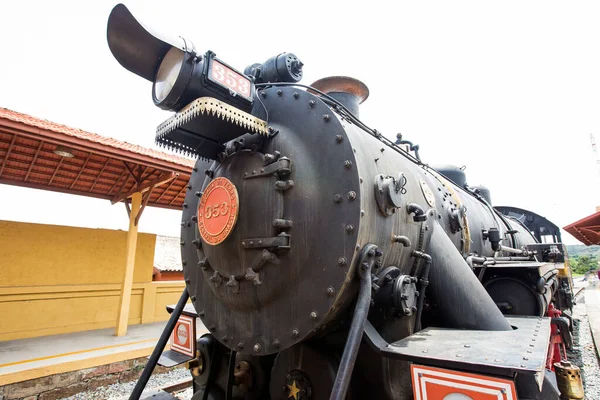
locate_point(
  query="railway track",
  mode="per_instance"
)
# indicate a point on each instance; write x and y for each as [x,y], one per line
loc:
[169,392]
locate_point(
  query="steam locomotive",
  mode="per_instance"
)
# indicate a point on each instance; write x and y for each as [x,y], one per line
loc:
[328,261]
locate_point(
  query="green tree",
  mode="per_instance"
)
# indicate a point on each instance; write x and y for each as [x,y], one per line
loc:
[583,264]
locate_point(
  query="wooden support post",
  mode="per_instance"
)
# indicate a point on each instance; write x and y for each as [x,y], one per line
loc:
[125,299]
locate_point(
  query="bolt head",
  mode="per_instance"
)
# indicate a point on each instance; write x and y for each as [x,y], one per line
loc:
[276,343]
[295,332]
[240,345]
[351,195]
[339,138]
[311,103]
[348,164]
[349,228]
[326,117]
[330,291]
[342,261]
[257,348]
[296,95]
[337,198]
[279,92]
[313,315]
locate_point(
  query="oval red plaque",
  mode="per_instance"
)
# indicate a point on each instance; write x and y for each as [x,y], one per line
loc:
[217,211]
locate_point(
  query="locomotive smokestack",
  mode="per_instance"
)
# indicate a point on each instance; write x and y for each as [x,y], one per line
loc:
[348,91]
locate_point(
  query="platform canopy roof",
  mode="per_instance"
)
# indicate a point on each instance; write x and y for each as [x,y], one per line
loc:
[40,154]
[586,230]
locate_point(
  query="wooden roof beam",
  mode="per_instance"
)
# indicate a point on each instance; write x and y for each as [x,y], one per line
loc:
[162,179]
[10,147]
[37,153]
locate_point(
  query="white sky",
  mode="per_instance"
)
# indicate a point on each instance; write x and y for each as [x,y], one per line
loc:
[510,89]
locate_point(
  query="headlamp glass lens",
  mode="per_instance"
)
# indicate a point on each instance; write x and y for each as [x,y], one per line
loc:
[167,73]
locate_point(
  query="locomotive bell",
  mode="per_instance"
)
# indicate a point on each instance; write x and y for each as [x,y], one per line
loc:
[349,91]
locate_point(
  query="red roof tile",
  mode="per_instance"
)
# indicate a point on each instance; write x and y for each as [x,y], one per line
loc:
[586,230]
[93,137]
[102,167]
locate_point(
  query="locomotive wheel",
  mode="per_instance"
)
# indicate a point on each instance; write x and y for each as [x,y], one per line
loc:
[514,297]
[303,372]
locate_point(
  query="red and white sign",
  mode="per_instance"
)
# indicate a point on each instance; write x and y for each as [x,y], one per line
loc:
[229,78]
[183,338]
[442,384]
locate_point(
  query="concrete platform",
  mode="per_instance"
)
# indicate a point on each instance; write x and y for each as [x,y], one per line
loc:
[592,304]
[37,357]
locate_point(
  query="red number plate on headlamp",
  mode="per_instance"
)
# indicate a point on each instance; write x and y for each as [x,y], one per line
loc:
[229,78]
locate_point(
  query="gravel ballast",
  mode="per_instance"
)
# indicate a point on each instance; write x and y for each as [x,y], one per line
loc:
[121,391]
[584,352]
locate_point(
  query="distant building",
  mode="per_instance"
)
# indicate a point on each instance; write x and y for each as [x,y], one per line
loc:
[167,259]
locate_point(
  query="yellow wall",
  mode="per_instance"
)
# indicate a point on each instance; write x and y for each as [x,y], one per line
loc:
[58,279]
[37,254]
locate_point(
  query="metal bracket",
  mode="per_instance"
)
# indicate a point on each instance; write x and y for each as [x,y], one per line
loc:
[283,167]
[280,242]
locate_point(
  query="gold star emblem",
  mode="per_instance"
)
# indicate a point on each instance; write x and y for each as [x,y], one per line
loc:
[294,390]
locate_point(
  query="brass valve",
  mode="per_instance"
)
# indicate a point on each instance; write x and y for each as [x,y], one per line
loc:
[196,365]
[568,378]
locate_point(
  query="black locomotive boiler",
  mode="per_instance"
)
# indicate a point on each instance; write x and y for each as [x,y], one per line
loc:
[328,261]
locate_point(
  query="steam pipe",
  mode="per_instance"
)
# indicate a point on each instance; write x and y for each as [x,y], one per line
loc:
[403,240]
[361,311]
[459,294]
[511,250]
[494,260]
[420,215]
[413,147]
[424,284]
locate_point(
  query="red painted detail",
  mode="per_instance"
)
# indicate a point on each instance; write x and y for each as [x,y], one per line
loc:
[431,383]
[183,338]
[218,211]
[557,350]
[229,78]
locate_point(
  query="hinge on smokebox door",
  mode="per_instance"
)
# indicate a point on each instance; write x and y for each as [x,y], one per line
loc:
[274,164]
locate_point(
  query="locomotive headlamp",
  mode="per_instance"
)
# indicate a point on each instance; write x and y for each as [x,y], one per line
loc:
[167,74]
[179,75]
